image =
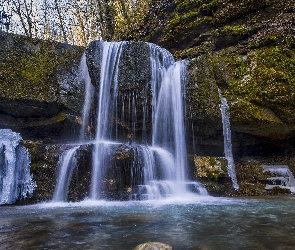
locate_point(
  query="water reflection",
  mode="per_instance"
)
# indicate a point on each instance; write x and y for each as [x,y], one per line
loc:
[222,224]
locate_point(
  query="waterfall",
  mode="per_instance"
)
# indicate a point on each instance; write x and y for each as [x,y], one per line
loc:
[15,178]
[89,91]
[227,139]
[158,183]
[67,163]
[168,126]
[159,162]
[281,176]
[108,87]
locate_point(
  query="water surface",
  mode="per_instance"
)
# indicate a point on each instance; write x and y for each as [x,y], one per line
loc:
[207,223]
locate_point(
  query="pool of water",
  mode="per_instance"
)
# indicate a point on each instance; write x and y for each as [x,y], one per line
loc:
[203,223]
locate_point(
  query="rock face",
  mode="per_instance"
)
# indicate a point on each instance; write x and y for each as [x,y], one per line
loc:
[41,98]
[39,92]
[244,48]
[45,164]
[133,85]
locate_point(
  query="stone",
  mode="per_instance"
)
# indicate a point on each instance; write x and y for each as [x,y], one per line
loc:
[153,246]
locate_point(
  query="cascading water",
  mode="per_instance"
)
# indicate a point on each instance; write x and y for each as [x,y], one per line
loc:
[168,127]
[281,176]
[15,178]
[67,163]
[108,88]
[227,139]
[89,91]
[159,169]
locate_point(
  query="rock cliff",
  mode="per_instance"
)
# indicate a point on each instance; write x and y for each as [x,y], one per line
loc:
[244,48]
[40,96]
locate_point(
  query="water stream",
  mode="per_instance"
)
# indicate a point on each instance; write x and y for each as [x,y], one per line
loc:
[227,140]
[67,163]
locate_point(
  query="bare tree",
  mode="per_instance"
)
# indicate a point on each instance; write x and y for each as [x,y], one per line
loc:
[24,9]
[5,15]
[78,21]
[84,22]
[61,21]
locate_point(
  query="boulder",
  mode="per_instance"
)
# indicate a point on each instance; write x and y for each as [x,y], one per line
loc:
[153,246]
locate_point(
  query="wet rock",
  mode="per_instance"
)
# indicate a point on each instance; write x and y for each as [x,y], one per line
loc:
[212,172]
[45,163]
[134,88]
[134,71]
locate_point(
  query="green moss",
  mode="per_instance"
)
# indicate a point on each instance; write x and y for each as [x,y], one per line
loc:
[194,52]
[251,113]
[268,40]
[290,41]
[37,68]
[210,167]
[202,89]
[58,118]
[30,68]
[265,76]
[187,20]
[235,30]
[279,190]
[272,79]
[189,5]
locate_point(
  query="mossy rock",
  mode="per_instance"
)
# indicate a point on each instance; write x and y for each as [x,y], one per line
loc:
[44,160]
[45,163]
[40,90]
[210,167]
[40,66]
[261,83]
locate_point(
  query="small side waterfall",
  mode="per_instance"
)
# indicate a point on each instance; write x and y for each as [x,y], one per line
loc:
[67,163]
[281,176]
[15,178]
[227,139]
